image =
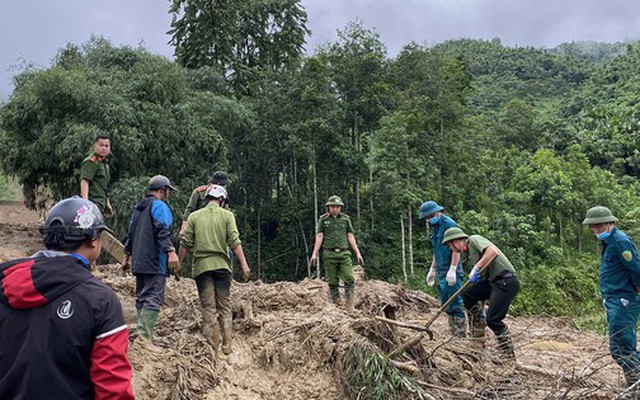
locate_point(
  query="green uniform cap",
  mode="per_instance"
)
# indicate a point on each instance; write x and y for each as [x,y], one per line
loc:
[598,215]
[334,201]
[452,234]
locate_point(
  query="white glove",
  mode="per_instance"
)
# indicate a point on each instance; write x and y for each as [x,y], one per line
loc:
[452,277]
[431,277]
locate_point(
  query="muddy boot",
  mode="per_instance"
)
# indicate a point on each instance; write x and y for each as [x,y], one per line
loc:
[334,294]
[458,326]
[211,329]
[350,298]
[477,325]
[349,303]
[227,335]
[506,345]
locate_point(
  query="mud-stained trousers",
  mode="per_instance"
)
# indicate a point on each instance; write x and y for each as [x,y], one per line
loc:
[214,290]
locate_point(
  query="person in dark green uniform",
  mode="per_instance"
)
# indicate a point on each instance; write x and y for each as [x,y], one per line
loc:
[95,175]
[493,278]
[335,235]
[198,197]
[620,285]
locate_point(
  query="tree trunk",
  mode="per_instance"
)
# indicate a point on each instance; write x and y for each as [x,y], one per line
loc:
[580,238]
[371,197]
[561,232]
[315,211]
[258,250]
[356,145]
[404,258]
[410,216]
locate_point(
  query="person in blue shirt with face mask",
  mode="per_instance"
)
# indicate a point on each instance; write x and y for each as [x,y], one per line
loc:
[620,285]
[445,264]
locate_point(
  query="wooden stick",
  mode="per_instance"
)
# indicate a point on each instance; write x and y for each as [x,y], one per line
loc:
[401,324]
[453,298]
[417,338]
[408,344]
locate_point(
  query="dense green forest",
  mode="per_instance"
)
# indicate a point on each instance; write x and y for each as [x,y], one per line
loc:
[516,143]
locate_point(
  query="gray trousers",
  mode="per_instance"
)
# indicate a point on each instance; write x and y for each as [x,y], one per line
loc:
[150,291]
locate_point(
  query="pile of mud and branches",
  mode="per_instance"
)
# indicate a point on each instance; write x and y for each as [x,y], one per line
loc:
[292,343]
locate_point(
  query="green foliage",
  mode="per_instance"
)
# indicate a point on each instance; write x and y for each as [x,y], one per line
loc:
[241,40]
[594,51]
[158,123]
[516,143]
[369,374]
[9,190]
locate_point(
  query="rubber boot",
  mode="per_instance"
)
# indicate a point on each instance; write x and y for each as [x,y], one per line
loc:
[458,326]
[350,298]
[227,335]
[477,324]
[211,329]
[506,344]
[349,303]
[334,294]
[147,323]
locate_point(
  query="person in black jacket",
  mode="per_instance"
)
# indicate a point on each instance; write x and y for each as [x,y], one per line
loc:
[63,335]
[149,252]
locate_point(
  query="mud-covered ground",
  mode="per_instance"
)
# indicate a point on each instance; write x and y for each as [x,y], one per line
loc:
[291,343]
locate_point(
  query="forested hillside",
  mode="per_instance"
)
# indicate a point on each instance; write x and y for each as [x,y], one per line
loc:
[516,143]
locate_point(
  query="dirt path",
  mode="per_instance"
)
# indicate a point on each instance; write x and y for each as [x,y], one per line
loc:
[19,235]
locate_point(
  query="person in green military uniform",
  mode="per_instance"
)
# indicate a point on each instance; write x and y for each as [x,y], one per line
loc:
[95,175]
[209,232]
[620,288]
[493,278]
[198,198]
[335,234]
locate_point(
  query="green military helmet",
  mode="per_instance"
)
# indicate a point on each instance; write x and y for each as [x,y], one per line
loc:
[334,201]
[598,215]
[453,234]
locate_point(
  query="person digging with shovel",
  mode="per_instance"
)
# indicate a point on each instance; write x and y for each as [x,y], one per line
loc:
[493,278]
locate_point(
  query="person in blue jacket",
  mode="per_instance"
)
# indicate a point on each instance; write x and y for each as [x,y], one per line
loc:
[149,252]
[620,285]
[445,264]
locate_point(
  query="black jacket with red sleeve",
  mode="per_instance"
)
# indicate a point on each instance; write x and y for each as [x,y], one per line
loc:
[62,332]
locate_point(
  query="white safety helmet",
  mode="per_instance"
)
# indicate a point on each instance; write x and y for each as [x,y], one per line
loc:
[217,191]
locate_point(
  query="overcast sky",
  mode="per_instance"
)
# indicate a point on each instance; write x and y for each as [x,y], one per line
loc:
[32,31]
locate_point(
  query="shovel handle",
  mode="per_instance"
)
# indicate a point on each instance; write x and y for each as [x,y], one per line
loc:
[452,299]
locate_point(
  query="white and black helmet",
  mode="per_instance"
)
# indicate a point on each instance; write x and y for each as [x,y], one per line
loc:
[216,191]
[76,219]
